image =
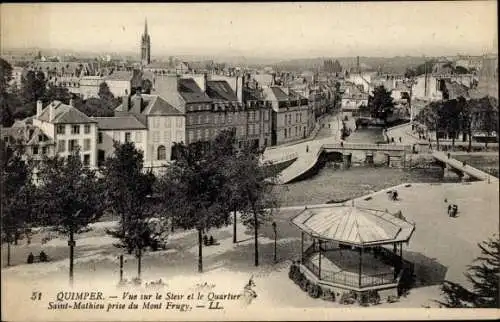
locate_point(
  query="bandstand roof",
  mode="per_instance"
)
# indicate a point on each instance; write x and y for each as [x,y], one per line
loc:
[354,225]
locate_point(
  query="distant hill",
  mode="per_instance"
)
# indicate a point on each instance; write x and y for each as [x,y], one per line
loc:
[396,64]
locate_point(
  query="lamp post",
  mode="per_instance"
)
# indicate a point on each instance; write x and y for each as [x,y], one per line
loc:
[275,235]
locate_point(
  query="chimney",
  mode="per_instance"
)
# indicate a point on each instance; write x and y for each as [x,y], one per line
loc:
[39,107]
[125,103]
[51,112]
[137,102]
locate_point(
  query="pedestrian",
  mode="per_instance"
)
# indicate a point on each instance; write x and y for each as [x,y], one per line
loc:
[341,144]
[307,148]
[31,258]
[399,139]
[464,164]
[448,155]
[42,256]
[329,125]
[449,210]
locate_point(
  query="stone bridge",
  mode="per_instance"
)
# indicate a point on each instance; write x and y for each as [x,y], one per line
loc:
[306,162]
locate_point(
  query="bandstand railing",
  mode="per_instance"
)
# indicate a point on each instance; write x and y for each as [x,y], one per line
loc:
[343,277]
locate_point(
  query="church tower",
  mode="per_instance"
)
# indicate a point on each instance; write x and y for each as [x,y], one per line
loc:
[146,46]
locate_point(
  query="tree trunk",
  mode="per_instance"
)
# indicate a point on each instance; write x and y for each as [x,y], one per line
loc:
[234,228]
[453,140]
[469,148]
[71,255]
[200,251]
[256,238]
[139,263]
[8,253]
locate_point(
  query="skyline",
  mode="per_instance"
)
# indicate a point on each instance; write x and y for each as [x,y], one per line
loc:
[277,30]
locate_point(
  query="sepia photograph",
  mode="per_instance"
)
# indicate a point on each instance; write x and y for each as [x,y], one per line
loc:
[249,161]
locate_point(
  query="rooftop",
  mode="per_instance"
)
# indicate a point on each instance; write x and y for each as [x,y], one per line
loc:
[191,92]
[119,123]
[64,114]
[354,225]
[220,90]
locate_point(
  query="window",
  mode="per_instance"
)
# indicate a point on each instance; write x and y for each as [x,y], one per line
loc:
[230,118]
[191,136]
[86,128]
[6,139]
[162,152]
[198,134]
[101,156]
[207,134]
[116,136]
[40,138]
[156,122]
[86,145]
[179,122]
[168,122]
[73,144]
[200,120]
[179,136]
[61,129]
[61,146]
[207,119]
[297,118]
[266,115]
[285,133]
[44,150]
[138,137]
[75,129]
[156,136]
[300,117]
[99,137]
[35,149]
[128,137]
[86,160]
[289,119]
[166,136]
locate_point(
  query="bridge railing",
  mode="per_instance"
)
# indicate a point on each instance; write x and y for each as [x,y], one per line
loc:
[379,147]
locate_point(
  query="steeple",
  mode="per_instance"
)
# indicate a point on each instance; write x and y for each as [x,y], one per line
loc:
[145,45]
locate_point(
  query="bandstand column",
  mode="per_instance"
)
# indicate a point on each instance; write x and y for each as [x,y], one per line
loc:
[302,247]
[360,264]
[319,261]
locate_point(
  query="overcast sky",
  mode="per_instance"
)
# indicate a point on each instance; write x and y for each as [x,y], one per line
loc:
[285,30]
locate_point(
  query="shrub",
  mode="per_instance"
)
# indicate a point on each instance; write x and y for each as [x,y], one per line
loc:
[304,283]
[327,294]
[363,299]
[314,290]
[347,298]
[373,297]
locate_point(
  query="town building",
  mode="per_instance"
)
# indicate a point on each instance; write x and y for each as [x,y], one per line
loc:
[291,115]
[165,126]
[353,98]
[69,129]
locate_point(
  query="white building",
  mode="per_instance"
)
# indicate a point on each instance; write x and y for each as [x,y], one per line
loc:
[68,128]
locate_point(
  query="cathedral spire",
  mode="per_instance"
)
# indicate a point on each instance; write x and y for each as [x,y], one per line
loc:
[146,26]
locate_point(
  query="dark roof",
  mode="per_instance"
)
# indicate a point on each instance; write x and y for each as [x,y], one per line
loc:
[153,105]
[128,122]
[279,94]
[191,92]
[220,90]
[120,75]
[64,114]
[159,106]
[456,90]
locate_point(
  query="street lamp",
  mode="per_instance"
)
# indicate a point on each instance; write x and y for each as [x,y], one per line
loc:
[275,235]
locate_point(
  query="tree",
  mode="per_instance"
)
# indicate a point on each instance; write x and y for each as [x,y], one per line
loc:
[5,75]
[57,93]
[94,107]
[33,86]
[146,86]
[381,103]
[259,200]
[128,192]
[488,121]
[16,193]
[194,188]
[70,197]
[483,276]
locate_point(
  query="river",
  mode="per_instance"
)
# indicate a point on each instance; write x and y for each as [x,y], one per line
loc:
[334,184]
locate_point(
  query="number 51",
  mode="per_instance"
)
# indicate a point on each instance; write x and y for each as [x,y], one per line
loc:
[36,296]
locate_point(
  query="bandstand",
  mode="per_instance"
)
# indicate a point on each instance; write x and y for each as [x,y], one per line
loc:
[353,248]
